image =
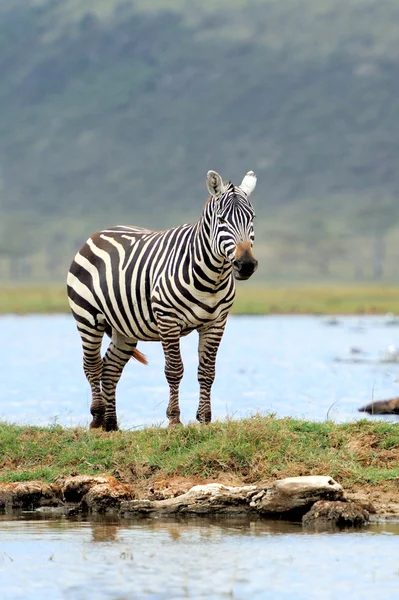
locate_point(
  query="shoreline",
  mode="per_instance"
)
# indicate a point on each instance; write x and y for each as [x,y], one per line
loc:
[318,502]
[225,468]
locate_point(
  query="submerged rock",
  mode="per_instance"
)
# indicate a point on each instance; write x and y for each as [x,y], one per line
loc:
[326,515]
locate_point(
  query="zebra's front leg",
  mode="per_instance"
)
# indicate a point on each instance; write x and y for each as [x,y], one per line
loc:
[209,341]
[170,338]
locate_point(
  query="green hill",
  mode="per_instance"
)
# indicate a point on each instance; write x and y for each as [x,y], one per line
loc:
[114,111]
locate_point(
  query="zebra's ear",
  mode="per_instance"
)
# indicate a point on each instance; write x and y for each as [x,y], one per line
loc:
[215,184]
[248,184]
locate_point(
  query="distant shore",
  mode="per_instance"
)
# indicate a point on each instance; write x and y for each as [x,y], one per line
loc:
[326,299]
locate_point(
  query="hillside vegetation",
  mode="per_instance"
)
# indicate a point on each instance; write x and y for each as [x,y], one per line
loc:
[113,111]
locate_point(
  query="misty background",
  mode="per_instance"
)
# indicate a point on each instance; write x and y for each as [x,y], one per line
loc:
[113,111]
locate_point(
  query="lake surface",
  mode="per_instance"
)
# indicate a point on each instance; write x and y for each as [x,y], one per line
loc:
[285,365]
[161,560]
[290,366]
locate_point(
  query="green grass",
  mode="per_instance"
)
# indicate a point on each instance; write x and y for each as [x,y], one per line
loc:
[250,450]
[264,299]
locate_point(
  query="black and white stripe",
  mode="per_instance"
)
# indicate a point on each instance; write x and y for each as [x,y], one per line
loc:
[135,284]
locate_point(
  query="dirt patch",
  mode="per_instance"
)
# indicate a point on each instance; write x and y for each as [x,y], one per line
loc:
[385,502]
[29,495]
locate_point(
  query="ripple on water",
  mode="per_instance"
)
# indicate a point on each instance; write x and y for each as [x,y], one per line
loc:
[280,364]
[105,559]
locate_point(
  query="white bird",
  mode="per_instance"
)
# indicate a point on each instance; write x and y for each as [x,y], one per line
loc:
[391,354]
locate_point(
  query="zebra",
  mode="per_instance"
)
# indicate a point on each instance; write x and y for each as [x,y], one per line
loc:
[136,284]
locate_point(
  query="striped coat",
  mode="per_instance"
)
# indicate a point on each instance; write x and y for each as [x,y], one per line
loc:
[135,284]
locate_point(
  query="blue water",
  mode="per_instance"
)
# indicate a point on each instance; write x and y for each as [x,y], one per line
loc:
[272,364]
[100,560]
[283,365]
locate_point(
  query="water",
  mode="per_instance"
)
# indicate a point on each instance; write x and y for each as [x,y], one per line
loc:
[283,365]
[161,560]
[273,364]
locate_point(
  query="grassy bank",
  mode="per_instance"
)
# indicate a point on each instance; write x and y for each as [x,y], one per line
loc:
[317,299]
[265,299]
[33,299]
[251,450]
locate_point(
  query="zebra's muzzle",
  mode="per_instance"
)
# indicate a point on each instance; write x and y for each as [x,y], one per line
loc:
[245,267]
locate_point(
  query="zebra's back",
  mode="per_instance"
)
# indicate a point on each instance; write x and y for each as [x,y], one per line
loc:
[119,273]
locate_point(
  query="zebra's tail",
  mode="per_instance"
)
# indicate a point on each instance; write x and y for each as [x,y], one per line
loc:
[139,356]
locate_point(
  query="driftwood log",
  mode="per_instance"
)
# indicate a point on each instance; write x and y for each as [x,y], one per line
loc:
[282,498]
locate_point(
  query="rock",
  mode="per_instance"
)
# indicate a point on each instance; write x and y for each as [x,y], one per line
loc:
[282,498]
[295,494]
[75,487]
[106,497]
[326,515]
[29,495]
[382,407]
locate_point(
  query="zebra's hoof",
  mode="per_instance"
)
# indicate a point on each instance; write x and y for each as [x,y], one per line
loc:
[96,423]
[204,418]
[175,424]
[111,425]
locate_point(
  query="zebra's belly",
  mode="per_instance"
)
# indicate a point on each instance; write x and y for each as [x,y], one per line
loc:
[137,318]
[134,319]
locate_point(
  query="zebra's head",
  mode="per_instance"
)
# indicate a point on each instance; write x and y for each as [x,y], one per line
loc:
[232,217]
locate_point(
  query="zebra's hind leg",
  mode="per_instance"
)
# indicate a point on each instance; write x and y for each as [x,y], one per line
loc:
[93,368]
[117,355]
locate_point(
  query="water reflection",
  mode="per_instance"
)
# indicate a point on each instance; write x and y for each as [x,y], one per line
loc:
[105,528]
[192,558]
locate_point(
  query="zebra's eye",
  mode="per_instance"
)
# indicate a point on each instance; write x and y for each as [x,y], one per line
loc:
[221,220]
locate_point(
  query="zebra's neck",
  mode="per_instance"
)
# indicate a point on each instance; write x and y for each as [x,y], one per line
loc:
[210,271]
